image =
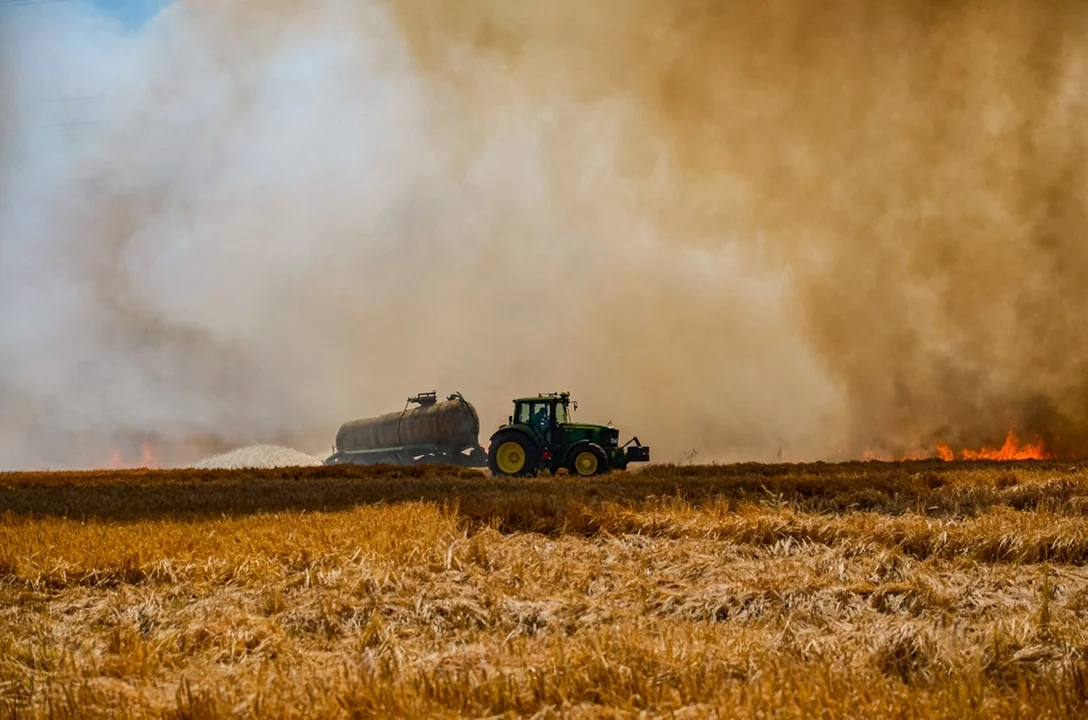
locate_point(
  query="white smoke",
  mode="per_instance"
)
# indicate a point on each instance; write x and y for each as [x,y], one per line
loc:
[278,223]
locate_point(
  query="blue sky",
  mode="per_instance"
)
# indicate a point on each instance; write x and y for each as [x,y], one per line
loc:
[133,13]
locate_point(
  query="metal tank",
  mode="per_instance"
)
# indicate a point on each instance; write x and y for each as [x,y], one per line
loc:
[432,431]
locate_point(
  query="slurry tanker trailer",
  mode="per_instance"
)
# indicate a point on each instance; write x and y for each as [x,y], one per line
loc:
[538,436]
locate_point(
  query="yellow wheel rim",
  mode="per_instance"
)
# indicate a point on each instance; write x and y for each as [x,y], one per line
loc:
[586,463]
[511,457]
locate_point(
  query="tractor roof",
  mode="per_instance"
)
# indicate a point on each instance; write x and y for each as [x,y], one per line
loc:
[545,396]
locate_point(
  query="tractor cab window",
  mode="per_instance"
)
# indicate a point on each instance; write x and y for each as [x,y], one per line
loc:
[561,414]
[541,419]
[524,414]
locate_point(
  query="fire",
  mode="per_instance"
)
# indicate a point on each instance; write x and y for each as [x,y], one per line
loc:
[117,459]
[1011,450]
[147,455]
[148,458]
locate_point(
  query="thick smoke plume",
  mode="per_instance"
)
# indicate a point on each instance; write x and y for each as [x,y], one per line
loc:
[798,229]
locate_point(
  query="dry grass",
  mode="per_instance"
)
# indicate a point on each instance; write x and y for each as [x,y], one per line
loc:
[863,590]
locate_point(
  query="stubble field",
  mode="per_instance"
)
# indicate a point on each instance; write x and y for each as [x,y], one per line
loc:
[922,589]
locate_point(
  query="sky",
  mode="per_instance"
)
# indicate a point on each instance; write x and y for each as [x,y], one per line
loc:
[132,13]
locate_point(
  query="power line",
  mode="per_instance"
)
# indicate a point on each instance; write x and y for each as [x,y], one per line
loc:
[27,128]
[9,3]
[19,132]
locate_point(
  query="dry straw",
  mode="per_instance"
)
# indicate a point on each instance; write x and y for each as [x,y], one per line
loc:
[858,590]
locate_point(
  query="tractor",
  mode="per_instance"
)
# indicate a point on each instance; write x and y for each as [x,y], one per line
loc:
[541,436]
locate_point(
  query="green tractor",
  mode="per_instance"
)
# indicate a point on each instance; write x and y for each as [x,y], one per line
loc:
[540,436]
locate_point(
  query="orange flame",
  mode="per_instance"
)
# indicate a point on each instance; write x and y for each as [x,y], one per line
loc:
[1011,450]
[117,459]
[148,458]
[147,455]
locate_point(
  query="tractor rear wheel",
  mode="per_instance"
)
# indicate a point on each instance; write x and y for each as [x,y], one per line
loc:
[588,459]
[513,455]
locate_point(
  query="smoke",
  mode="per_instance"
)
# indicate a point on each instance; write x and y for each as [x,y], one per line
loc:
[914,172]
[812,230]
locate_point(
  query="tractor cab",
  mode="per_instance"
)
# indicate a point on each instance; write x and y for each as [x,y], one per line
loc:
[545,415]
[541,436]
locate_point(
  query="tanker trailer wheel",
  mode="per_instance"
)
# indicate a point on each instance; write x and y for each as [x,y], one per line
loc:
[587,459]
[512,454]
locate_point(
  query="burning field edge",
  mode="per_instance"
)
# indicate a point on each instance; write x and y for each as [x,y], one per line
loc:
[929,589]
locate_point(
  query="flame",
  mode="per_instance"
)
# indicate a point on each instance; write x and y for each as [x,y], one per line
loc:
[147,455]
[148,458]
[117,459]
[1011,450]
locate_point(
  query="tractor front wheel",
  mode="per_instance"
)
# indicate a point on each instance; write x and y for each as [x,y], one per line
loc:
[588,459]
[513,455]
